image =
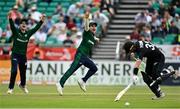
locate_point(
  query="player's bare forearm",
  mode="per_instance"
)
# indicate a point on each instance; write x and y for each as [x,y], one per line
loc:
[86,21]
[137,63]
[42,19]
[136,68]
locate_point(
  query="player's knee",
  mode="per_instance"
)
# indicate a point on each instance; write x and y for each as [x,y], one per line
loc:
[94,69]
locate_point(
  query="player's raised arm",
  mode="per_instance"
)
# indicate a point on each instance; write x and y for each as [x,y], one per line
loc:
[12,26]
[86,22]
[42,19]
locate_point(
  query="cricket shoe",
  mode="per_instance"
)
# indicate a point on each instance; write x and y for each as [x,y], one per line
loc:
[82,85]
[170,68]
[24,89]
[162,95]
[59,89]
[176,74]
[10,91]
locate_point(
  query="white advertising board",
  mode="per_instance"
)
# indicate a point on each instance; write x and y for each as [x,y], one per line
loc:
[109,73]
[171,52]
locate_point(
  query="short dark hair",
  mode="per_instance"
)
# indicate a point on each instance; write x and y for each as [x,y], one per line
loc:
[24,20]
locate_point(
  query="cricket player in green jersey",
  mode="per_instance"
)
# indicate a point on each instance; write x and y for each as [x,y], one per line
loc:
[82,56]
[21,38]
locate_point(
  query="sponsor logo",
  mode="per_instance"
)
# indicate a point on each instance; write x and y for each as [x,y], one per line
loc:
[91,42]
[22,40]
[176,51]
[14,59]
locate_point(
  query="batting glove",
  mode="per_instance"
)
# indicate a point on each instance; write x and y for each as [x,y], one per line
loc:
[135,79]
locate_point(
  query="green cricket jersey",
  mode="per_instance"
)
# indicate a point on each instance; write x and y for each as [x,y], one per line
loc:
[87,43]
[20,40]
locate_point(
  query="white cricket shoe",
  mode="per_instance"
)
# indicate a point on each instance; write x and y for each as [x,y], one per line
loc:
[171,68]
[82,85]
[162,95]
[10,91]
[24,89]
[59,89]
[176,73]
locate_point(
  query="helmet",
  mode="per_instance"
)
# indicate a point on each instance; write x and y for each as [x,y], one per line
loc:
[127,46]
[91,23]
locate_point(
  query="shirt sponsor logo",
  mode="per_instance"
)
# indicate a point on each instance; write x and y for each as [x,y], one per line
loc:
[91,42]
[22,40]
[14,59]
[20,35]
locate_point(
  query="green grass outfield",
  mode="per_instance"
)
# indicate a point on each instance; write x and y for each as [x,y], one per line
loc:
[45,96]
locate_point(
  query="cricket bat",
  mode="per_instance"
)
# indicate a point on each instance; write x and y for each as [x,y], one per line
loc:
[121,93]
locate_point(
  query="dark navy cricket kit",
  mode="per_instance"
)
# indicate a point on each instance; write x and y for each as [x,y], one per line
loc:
[155,58]
[18,60]
[154,64]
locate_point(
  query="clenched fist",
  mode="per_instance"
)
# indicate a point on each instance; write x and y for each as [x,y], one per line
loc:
[9,15]
[43,17]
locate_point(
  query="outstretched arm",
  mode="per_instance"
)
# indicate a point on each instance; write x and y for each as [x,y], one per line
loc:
[12,26]
[136,70]
[42,19]
[137,64]
[86,22]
